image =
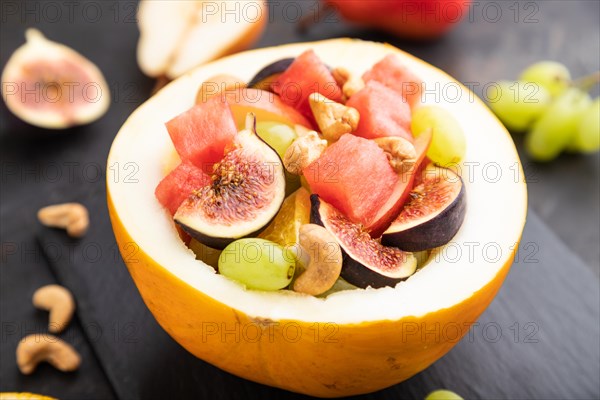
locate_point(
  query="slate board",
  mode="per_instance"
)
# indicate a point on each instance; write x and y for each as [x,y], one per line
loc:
[23,269]
[538,339]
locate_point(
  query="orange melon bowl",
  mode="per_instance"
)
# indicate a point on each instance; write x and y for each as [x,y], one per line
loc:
[351,342]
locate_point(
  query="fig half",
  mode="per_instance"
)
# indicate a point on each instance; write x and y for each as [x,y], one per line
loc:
[246,191]
[52,86]
[263,78]
[366,261]
[433,214]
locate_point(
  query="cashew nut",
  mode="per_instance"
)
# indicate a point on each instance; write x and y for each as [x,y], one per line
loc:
[353,85]
[349,83]
[325,264]
[217,84]
[301,130]
[341,75]
[70,216]
[38,347]
[59,302]
[334,119]
[303,151]
[400,152]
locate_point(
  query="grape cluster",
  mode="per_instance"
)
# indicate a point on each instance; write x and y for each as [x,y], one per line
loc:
[557,112]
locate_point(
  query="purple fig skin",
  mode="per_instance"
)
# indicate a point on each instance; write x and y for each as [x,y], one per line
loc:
[315,215]
[269,73]
[215,242]
[353,271]
[434,232]
[363,277]
[210,241]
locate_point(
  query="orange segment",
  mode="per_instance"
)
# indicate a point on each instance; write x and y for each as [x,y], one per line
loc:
[294,212]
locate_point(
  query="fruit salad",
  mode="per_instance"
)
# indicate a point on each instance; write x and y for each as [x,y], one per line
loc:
[311,179]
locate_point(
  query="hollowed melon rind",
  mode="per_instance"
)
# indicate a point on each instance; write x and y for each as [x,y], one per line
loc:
[323,359]
[372,347]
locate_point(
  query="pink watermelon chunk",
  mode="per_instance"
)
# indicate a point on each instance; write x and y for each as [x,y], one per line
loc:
[306,75]
[201,134]
[383,112]
[179,184]
[392,73]
[354,175]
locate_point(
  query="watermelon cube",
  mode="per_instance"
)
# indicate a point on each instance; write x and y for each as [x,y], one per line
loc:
[383,112]
[306,75]
[201,134]
[179,185]
[354,175]
[392,73]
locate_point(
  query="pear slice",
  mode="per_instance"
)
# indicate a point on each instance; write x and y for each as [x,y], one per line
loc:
[176,36]
[50,85]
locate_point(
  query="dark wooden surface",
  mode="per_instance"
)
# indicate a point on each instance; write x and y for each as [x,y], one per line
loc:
[547,312]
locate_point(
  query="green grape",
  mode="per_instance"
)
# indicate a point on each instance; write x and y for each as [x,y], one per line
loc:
[443,395]
[258,263]
[448,143]
[279,136]
[518,104]
[587,137]
[552,75]
[557,127]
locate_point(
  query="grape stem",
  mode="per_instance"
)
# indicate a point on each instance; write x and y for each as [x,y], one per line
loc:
[586,83]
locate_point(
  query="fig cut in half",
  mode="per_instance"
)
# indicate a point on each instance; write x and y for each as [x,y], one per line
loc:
[433,214]
[246,191]
[50,85]
[366,261]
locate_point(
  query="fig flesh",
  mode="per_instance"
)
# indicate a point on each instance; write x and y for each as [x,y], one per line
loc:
[366,261]
[263,78]
[433,214]
[52,86]
[246,191]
